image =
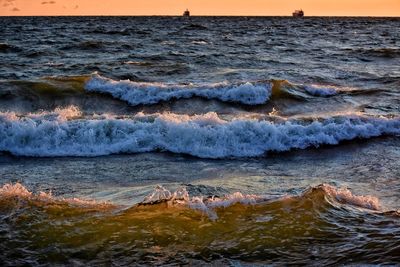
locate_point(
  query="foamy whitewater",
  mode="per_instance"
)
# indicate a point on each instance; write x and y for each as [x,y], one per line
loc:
[141,93]
[18,193]
[206,136]
[249,93]
[201,141]
[321,91]
[207,204]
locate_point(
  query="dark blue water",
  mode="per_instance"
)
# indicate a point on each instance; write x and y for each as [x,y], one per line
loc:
[209,140]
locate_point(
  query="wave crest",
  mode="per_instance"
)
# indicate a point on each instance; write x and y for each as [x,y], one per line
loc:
[11,196]
[345,196]
[59,114]
[320,195]
[141,93]
[207,136]
[236,225]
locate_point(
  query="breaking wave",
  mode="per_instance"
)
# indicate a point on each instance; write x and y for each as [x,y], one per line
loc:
[89,89]
[176,228]
[64,133]
[204,203]
[321,91]
[11,196]
[141,93]
[321,194]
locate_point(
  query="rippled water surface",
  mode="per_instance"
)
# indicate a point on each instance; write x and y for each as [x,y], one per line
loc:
[209,140]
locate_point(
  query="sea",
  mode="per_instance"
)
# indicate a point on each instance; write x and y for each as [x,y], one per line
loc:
[201,141]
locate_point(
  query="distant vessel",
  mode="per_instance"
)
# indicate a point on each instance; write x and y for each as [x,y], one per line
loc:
[298,13]
[186,13]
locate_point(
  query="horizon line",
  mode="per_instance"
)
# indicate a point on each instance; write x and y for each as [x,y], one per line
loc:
[309,16]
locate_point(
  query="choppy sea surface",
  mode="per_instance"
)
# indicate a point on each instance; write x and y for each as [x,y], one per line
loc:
[205,141]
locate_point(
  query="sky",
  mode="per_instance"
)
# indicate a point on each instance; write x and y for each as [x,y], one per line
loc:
[200,7]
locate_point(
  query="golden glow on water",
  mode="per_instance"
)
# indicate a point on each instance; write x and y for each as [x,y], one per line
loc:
[202,7]
[307,228]
[162,232]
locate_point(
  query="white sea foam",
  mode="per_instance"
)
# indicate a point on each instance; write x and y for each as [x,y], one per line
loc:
[344,195]
[206,204]
[321,90]
[199,42]
[18,192]
[209,204]
[141,93]
[340,195]
[59,114]
[206,136]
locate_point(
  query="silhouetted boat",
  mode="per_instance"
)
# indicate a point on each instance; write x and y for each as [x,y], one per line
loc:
[298,13]
[186,13]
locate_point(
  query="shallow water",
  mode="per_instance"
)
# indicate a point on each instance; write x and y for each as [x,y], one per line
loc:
[234,141]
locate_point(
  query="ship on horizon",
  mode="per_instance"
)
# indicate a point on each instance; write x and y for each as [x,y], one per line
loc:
[298,13]
[186,13]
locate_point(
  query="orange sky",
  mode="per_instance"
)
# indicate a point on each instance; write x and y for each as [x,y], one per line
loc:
[201,7]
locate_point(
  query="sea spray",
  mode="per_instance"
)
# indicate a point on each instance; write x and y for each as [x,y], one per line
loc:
[206,136]
[141,93]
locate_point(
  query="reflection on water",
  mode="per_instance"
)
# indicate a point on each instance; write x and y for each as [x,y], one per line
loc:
[321,222]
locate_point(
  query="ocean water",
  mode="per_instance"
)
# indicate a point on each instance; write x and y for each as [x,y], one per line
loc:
[205,141]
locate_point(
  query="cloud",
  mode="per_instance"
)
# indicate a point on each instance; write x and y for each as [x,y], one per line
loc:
[48,2]
[15,9]
[8,3]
